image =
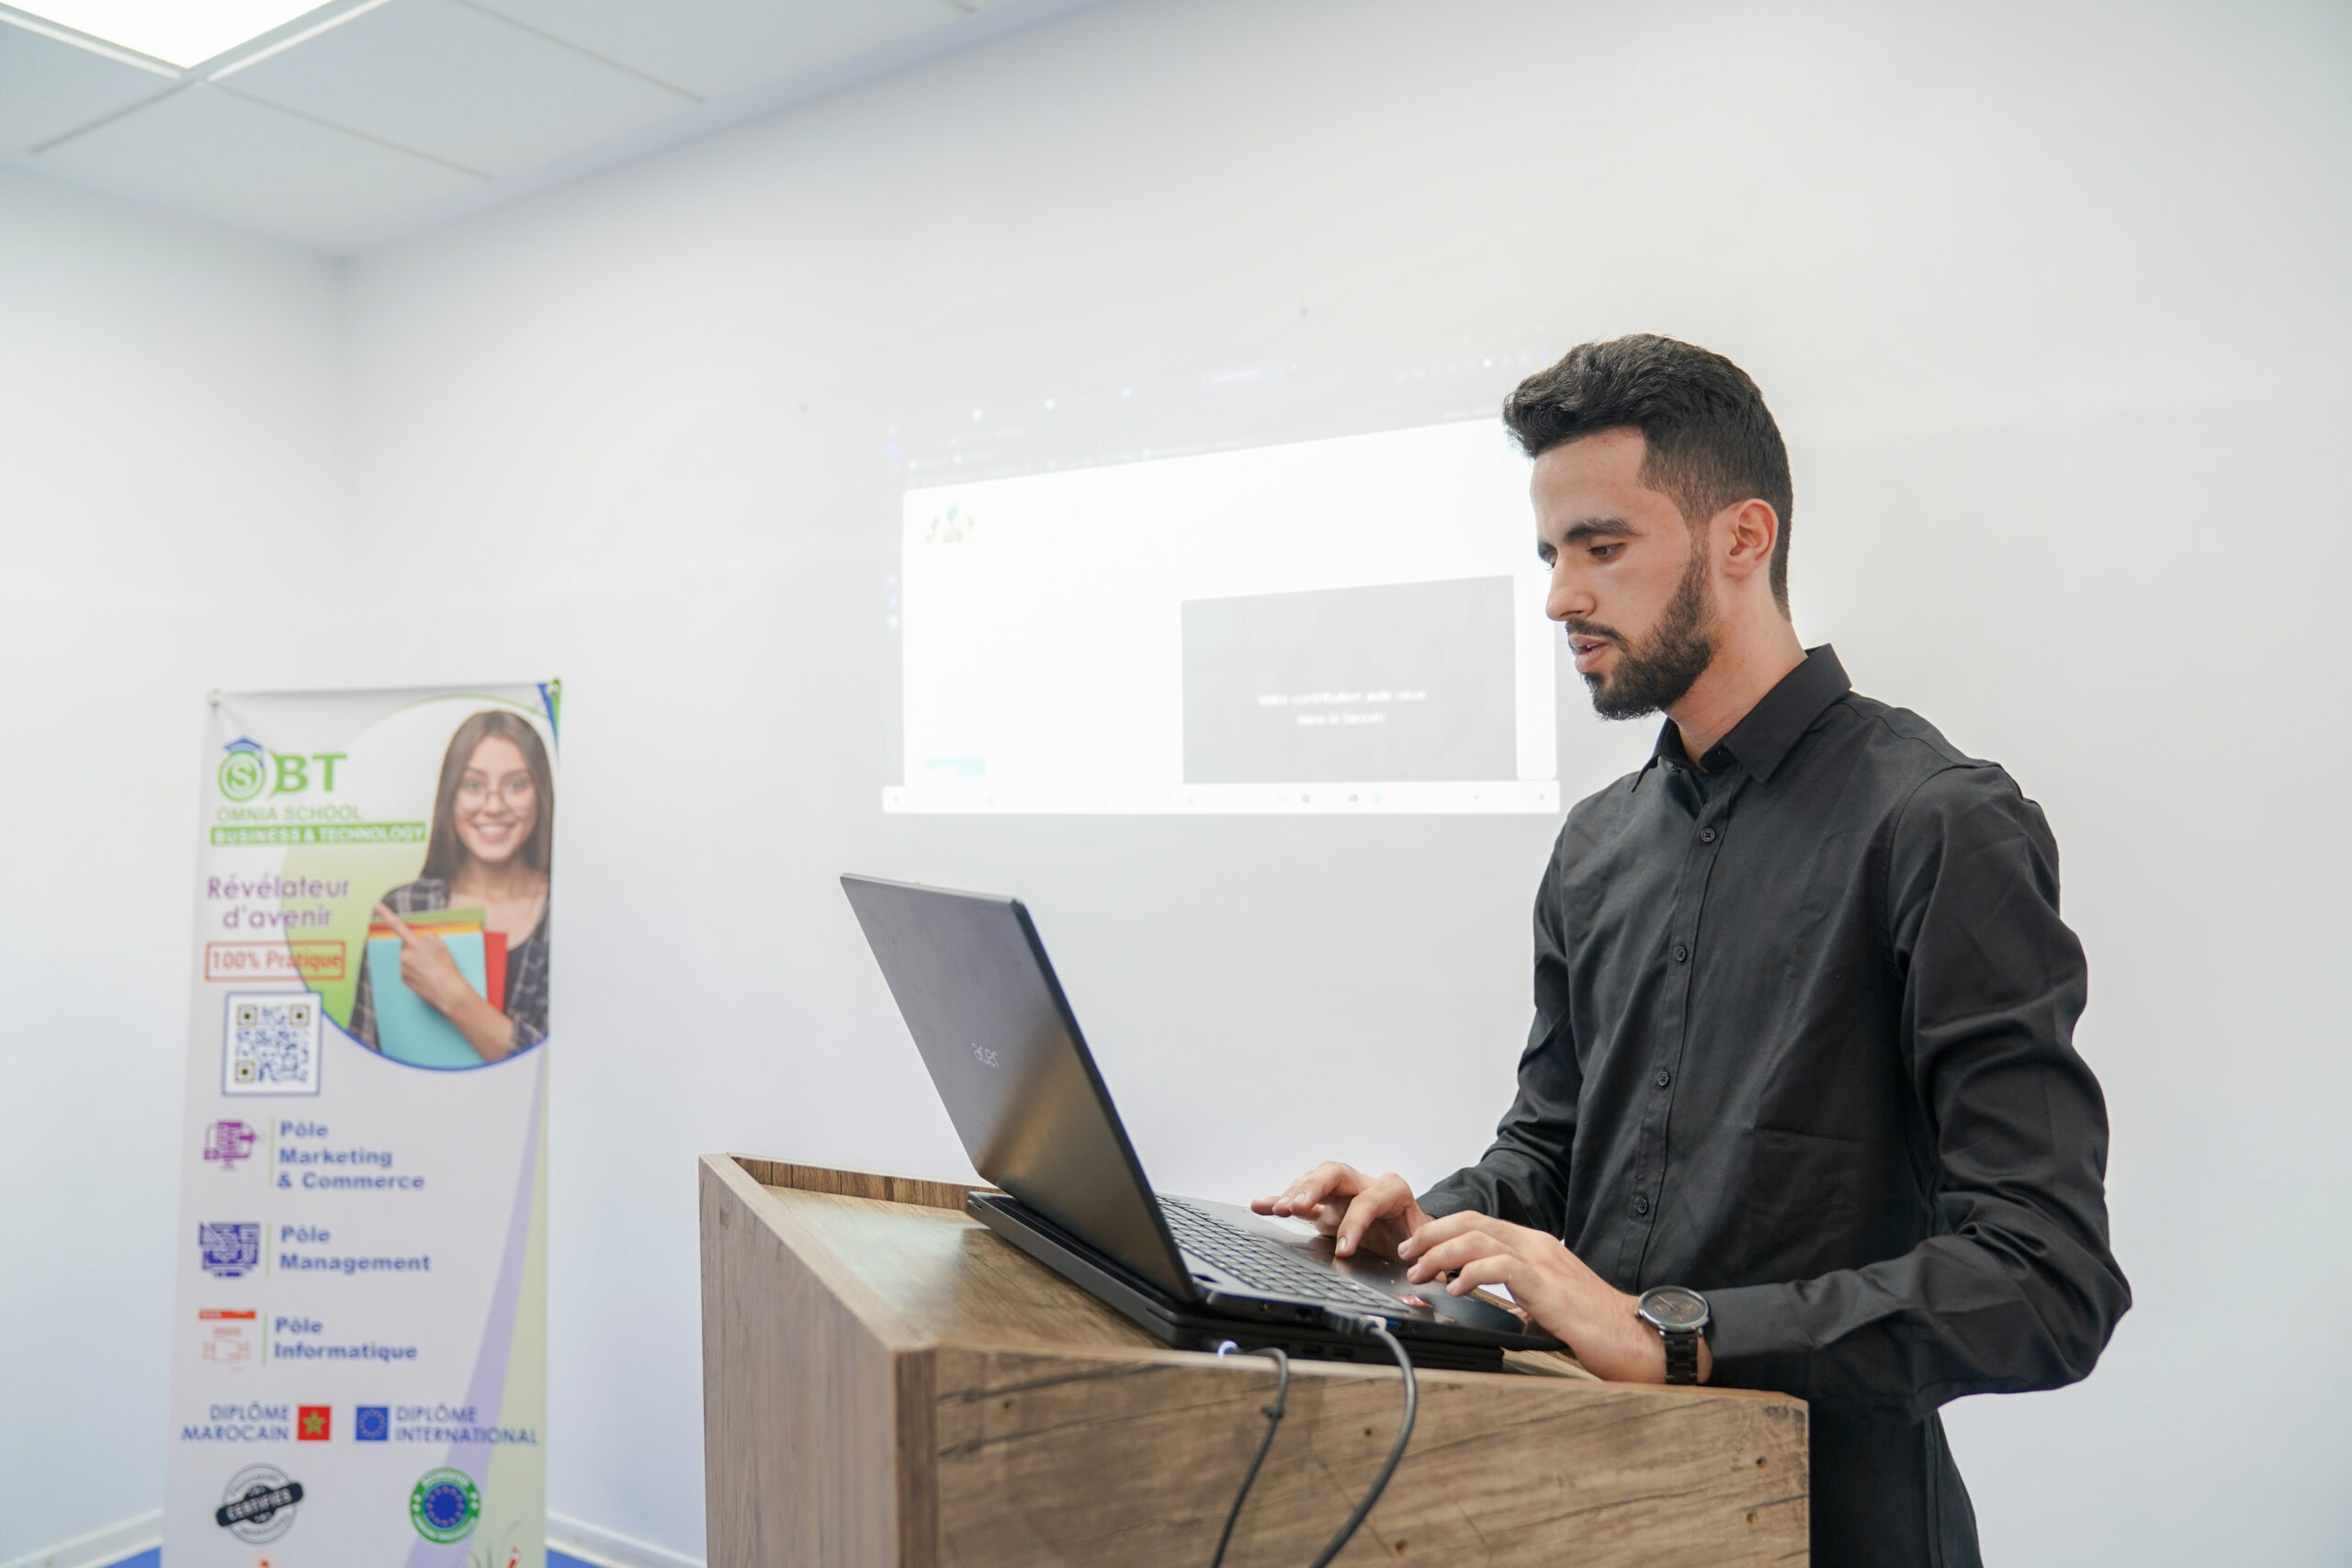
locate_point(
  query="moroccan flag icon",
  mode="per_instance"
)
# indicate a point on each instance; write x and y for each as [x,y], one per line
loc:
[313,1423]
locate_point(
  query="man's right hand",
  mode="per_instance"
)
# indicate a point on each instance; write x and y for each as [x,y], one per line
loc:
[1358,1211]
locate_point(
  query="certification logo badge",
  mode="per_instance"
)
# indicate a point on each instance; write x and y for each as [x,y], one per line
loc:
[313,1423]
[372,1424]
[225,1331]
[229,1249]
[258,1504]
[445,1506]
[229,1142]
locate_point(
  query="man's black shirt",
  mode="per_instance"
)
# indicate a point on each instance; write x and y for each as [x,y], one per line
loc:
[1803,1041]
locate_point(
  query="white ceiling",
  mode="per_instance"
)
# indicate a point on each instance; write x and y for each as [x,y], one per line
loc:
[364,120]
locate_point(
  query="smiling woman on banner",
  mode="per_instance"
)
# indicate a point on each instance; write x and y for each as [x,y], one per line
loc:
[492,840]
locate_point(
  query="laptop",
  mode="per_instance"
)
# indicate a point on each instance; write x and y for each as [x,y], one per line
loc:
[980,996]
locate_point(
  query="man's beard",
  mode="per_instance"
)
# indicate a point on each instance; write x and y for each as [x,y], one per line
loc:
[1657,675]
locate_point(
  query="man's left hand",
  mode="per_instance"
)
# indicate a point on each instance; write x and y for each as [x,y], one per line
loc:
[1551,1285]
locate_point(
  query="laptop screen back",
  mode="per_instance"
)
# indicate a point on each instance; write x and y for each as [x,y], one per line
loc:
[980,999]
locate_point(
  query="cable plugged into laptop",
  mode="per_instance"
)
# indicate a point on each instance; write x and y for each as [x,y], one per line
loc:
[1273,1415]
[1377,1327]
[1372,1326]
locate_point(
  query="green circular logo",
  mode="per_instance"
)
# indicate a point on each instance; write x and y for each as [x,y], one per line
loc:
[242,776]
[445,1506]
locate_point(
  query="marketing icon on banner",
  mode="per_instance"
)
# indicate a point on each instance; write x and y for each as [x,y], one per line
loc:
[358,1348]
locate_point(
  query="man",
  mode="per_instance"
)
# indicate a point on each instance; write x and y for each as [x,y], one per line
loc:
[1800,1109]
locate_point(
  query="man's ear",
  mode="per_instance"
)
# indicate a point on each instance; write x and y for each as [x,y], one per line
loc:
[1745,535]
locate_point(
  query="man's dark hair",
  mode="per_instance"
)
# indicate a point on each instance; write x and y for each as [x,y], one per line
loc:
[1710,441]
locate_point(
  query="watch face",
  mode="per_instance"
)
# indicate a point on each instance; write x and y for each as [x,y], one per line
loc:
[1671,1306]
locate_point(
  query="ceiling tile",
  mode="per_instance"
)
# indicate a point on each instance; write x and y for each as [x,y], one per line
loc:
[49,87]
[713,47]
[207,149]
[457,84]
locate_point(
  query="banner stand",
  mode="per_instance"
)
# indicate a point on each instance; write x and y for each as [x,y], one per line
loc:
[359,1326]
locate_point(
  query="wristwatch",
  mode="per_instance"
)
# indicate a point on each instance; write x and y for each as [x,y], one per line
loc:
[1679,1315]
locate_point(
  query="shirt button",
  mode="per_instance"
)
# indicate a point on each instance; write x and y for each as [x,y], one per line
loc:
[1641,1205]
[1682,953]
[1663,1078]
[1706,835]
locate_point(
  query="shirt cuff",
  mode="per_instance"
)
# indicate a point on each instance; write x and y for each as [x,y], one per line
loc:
[1758,1340]
[1446,1198]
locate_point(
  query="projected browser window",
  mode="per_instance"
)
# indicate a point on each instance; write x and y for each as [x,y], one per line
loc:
[1343,625]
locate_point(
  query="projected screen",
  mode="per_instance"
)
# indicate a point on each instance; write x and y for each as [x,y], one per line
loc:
[1353,625]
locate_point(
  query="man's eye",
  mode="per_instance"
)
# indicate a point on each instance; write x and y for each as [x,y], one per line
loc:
[1606,552]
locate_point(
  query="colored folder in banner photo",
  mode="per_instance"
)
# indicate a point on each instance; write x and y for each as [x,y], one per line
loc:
[410,1028]
[458,922]
[468,918]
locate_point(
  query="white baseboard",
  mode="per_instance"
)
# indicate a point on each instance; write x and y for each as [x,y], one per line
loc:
[594,1543]
[101,1547]
[575,1538]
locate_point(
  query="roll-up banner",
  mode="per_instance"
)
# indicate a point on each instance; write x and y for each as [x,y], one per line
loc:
[359,1328]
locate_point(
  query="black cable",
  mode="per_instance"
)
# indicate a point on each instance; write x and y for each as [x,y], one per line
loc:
[1378,1329]
[1273,1415]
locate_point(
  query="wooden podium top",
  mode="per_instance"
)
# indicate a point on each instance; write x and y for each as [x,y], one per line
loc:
[888,1381]
[920,1273]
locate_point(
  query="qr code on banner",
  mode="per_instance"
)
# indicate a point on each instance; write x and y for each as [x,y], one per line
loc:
[270,1044]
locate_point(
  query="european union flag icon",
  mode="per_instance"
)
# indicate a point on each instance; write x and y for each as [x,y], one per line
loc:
[372,1423]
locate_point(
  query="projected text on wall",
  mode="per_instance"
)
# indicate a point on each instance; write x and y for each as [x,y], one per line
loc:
[1343,625]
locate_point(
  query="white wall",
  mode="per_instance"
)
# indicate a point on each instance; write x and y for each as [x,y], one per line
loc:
[171,504]
[2047,299]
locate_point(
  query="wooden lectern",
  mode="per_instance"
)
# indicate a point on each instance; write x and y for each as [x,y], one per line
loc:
[886,1381]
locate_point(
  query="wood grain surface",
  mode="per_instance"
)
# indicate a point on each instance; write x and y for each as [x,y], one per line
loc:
[800,1396]
[886,1381]
[950,1280]
[923,1191]
[1054,1459]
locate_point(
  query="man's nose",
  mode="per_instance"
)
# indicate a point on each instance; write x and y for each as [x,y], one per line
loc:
[1567,598]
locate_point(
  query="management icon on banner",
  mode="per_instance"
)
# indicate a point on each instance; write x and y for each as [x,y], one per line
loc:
[358,1361]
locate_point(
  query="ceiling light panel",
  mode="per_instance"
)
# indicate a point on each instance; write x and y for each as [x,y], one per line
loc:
[457,84]
[180,32]
[203,150]
[49,88]
[713,47]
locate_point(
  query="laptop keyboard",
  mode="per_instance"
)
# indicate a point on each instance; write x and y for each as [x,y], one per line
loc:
[1263,1265]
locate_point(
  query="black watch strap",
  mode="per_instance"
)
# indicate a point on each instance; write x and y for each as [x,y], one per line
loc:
[1681,1354]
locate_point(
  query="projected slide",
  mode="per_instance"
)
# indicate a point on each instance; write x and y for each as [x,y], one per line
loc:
[1344,626]
[1407,682]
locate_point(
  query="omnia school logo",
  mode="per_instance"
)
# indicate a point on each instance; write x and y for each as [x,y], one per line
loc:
[251,770]
[245,771]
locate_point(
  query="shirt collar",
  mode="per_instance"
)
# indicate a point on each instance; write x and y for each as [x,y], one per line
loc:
[1761,740]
